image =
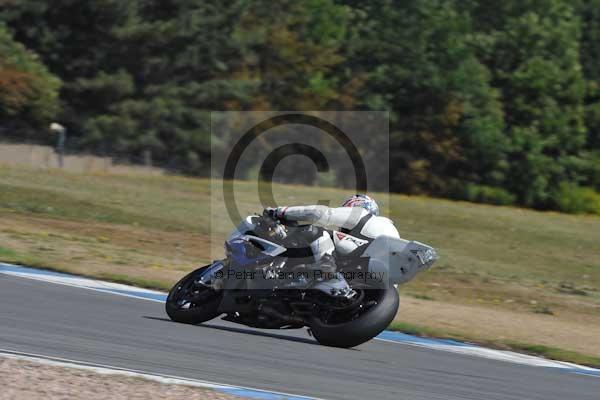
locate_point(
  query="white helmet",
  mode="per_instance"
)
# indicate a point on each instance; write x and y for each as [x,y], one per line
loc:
[364,201]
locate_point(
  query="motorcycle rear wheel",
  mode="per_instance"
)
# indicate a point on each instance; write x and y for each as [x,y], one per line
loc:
[195,313]
[362,329]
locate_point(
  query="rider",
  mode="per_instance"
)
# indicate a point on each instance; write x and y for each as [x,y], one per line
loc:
[357,220]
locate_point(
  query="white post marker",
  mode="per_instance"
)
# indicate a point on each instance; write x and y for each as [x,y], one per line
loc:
[61,131]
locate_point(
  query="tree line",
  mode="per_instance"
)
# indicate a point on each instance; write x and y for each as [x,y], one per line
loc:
[490,101]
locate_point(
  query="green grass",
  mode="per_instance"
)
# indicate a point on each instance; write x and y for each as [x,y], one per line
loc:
[57,204]
[478,244]
[555,354]
[534,349]
[424,331]
[474,241]
[7,254]
[135,281]
[11,256]
[169,203]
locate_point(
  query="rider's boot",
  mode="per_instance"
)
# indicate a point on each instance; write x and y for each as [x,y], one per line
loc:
[328,280]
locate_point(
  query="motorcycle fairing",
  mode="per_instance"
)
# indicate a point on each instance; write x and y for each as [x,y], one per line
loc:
[400,260]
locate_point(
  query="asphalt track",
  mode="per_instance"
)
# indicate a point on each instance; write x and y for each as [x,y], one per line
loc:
[89,326]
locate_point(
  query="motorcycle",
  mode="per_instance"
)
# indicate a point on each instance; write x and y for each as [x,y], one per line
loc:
[267,281]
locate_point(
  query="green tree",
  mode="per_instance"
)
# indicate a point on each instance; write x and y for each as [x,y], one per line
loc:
[28,92]
[76,41]
[139,74]
[489,101]
[446,120]
[532,49]
[290,49]
[181,58]
[590,60]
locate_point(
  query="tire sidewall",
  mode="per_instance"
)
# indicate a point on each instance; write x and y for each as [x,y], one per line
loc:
[195,315]
[362,329]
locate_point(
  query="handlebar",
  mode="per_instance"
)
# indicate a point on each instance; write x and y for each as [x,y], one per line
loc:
[271,228]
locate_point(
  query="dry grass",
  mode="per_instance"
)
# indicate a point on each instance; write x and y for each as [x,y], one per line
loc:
[102,250]
[574,331]
[504,274]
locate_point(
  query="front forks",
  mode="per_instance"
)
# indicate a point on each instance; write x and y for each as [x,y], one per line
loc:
[212,277]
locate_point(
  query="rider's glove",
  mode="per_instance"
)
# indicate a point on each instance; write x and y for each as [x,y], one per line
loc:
[270,212]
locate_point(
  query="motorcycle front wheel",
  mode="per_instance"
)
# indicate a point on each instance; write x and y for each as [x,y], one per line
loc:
[190,303]
[364,326]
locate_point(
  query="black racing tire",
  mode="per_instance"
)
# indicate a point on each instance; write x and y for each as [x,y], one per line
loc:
[193,315]
[362,329]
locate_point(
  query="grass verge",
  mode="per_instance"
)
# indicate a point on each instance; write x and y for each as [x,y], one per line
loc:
[549,352]
[135,281]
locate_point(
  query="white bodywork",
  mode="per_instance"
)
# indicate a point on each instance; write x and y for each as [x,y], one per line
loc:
[244,226]
[322,245]
[336,218]
[340,217]
[345,243]
[398,259]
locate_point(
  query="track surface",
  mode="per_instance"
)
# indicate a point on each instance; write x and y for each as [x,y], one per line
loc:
[61,321]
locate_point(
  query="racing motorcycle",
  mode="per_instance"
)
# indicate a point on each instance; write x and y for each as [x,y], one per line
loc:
[267,280]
